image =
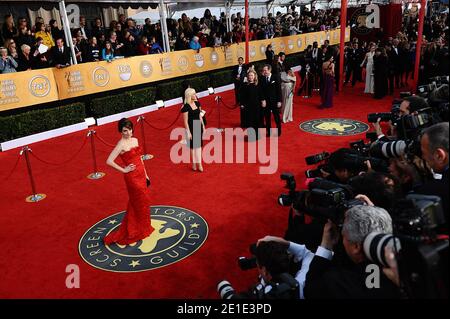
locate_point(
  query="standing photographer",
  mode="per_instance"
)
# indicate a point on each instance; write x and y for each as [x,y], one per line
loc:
[434,147]
[326,279]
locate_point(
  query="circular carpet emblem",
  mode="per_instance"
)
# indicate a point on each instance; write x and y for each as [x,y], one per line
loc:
[178,233]
[335,127]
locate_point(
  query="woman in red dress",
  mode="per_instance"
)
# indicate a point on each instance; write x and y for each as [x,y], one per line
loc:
[136,224]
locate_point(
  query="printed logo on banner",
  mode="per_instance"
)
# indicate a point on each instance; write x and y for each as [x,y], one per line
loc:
[39,86]
[178,233]
[229,58]
[166,66]
[124,72]
[199,60]
[299,43]
[183,63]
[241,52]
[75,81]
[263,48]
[8,90]
[214,57]
[282,46]
[290,44]
[100,76]
[146,69]
[252,51]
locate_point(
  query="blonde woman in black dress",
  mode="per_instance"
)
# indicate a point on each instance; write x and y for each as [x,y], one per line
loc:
[194,125]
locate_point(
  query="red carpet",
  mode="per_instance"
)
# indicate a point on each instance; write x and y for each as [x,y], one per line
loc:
[39,240]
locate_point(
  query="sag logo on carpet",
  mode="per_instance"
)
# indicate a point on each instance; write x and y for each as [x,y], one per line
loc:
[179,232]
[334,127]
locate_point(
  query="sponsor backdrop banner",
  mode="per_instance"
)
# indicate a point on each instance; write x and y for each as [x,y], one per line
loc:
[27,88]
[41,86]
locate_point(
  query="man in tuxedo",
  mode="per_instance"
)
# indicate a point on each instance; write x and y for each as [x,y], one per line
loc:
[306,72]
[396,62]
[270,88]
[60,55]
[239,74]
[316,57]
[353,64]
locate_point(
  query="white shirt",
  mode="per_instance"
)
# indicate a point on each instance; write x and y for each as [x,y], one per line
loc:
[239,69]
[303,254]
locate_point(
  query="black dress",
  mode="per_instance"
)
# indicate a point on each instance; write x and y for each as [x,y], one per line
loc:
[195,126]
[380,67]
[251,100]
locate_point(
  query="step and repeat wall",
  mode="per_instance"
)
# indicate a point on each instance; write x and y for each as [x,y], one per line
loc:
[46,85]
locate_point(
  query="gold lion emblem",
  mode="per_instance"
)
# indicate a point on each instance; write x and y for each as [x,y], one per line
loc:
[330,126]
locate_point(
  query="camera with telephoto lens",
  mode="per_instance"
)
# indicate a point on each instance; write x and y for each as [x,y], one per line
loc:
[421,254]
[386,117]
[324,199]
[314,159]
[321,168]
[285,286]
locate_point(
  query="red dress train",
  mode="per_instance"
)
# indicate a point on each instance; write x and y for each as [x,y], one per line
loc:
[136,224]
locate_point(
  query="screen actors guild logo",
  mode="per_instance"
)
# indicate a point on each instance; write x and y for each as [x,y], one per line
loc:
[290,44]
[178,233]
[299,43]
[39,86]
[199,60]
[100,76]
[335,127]
[252,51]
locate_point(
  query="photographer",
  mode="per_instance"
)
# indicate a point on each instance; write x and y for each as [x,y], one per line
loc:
[342,167]
[273,264]
[326,279]
[409,105]
[434,147]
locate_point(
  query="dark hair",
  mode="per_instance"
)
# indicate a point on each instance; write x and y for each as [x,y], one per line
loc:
[273,256]
[373,185]
[281,54]
[416,103]
[268,66]
[124,122]
[437,136]
[340,160]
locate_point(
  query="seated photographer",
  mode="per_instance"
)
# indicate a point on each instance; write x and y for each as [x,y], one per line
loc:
[383,189]
[273,264]
[328,280]
[434,147]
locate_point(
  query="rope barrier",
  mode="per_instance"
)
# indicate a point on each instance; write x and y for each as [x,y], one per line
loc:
[64,162]
[163,128]
[14,167]
[103,141]
[229,107]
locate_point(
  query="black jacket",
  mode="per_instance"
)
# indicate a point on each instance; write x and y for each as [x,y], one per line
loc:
[270,92]
[242,75]
[60,58]
[327,280]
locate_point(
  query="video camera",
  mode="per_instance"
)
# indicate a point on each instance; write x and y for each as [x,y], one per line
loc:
[324,199]
[422,254]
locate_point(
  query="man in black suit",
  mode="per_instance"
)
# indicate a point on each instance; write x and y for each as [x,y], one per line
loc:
[306,72]
[349,278]
[434,147]
[60,55]
[270,98]
[396,61]
[239,74]
[353,64]
[317,57]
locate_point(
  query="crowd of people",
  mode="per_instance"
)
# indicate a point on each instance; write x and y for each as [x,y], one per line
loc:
[34,46]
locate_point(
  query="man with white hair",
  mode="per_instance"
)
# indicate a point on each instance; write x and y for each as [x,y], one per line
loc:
[347,279]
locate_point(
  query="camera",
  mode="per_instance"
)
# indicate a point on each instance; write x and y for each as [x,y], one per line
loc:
[324,199]
[392,116]
[285,287]
[314,159]
[421,254]
[287,199]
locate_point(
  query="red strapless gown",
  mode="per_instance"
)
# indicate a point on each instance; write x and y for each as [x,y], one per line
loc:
[136,224]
